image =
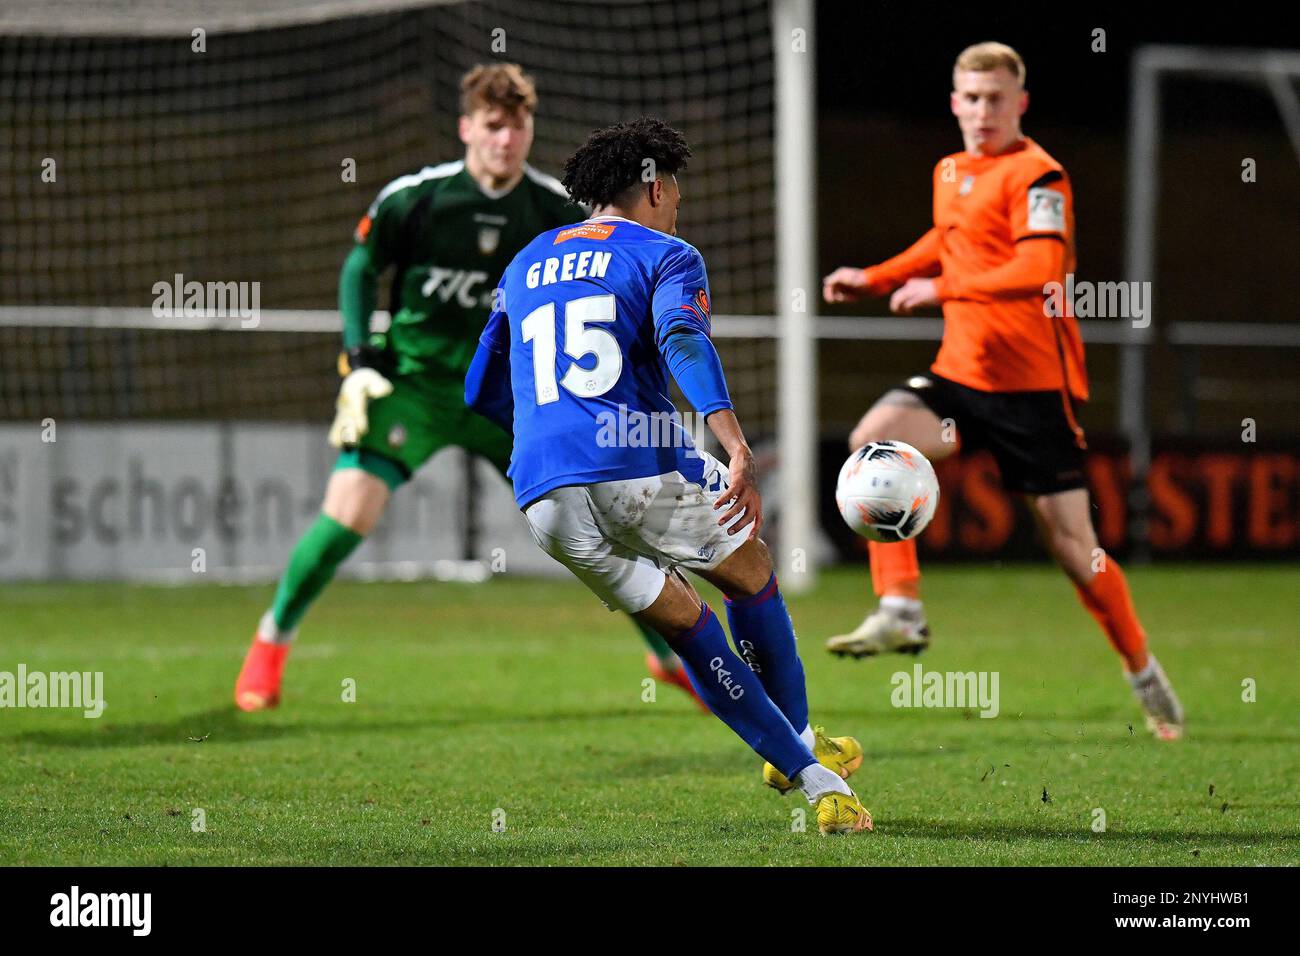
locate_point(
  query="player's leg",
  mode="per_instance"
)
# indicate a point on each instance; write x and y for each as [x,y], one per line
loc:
[763,632]
[898,623]
[1065,525]
[673,519]
[564,524]
[762,628]
[736,695]
[664,665]
[403,434]
[482,437]
[900,414]
[354,501]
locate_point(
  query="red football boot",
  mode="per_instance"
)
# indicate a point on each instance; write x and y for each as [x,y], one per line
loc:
[677,677]
[258,687]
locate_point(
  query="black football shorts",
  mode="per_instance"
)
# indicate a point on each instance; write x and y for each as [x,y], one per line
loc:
[1033,436]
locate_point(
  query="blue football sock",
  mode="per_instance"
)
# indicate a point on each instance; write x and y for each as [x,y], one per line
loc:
[735,694]
[764,635]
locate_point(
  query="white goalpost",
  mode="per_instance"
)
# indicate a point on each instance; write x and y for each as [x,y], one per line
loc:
[216,141]
[797,289]
[167,176]
[1151,64]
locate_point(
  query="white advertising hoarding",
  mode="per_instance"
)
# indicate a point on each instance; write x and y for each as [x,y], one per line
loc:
[134,502]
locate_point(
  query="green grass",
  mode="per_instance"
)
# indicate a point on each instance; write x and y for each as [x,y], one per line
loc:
[526,696]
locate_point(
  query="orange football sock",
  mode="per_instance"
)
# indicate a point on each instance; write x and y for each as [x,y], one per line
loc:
[894,569]
[1108,600]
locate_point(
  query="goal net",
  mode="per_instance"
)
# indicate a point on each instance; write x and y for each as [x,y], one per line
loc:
[148,142]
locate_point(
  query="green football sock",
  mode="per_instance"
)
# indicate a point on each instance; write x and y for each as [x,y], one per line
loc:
[658,646]
[315,558]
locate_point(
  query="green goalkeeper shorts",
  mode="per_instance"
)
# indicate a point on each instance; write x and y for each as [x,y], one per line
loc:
[417,420]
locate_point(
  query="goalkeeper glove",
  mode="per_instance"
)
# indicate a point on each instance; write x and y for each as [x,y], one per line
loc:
[360,384]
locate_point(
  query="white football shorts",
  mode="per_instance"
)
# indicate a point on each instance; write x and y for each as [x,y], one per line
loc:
[621,537]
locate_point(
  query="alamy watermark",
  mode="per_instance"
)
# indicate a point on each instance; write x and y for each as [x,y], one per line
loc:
[179,299]
[1099,300]
[75,908]
[629,428]
[959,689]
[82,690]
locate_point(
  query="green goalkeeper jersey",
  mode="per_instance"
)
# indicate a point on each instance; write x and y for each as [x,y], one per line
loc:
[449,241]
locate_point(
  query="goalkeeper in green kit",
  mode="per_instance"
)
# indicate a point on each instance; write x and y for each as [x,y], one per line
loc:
[447,232]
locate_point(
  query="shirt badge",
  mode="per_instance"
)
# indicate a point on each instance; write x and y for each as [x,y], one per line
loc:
[489,237]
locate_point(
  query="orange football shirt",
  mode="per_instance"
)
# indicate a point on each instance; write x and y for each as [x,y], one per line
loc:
[1003,228]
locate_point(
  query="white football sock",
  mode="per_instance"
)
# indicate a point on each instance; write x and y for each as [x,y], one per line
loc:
[1141,677]
[808,737]
[816,781]
[904,606]
[269,633]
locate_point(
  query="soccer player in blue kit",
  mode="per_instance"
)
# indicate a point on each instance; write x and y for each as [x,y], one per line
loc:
[589,320]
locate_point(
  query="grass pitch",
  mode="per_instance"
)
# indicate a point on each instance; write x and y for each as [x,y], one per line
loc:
[520,703]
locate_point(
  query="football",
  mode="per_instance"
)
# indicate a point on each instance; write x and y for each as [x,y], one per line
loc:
[887,491]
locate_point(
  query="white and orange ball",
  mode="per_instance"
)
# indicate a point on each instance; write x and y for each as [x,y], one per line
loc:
[887,491]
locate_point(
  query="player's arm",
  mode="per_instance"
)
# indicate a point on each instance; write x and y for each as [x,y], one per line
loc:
[920,259]
[487,383]
[697,369]
[359,363]
[681,324]
[1035,263]
[742,490]
[358,280]
[681,319]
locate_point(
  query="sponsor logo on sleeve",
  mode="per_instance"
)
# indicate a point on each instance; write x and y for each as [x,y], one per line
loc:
[1046,210]
[699,304]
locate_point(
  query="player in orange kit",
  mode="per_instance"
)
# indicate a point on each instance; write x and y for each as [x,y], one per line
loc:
[1009,370]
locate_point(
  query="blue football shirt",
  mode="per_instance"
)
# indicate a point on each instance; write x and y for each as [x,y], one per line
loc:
[583,311]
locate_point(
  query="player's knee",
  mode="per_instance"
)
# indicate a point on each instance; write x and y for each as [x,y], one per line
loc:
[1073,553]
[764,566]
[676,609]
[738,576]
[882,427]
[355,499]
[865,433]
[353,514]
[747,571]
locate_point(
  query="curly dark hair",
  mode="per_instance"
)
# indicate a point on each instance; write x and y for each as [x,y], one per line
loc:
[613,160]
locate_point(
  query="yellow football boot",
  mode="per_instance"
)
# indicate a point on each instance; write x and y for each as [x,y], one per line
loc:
[841,754]
[842,813]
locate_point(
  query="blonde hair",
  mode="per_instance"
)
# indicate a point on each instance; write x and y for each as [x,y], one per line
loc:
[986,57]
[497,84]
